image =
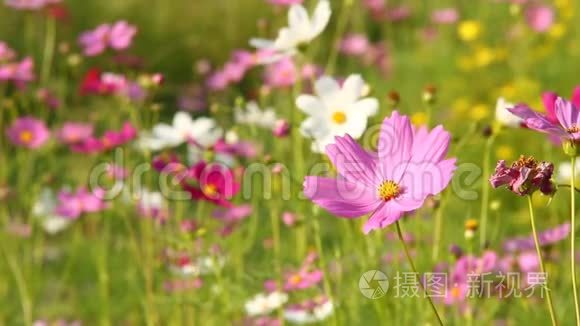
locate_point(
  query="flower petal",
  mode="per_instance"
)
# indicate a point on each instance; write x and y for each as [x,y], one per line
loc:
[352,88]
[430,146]
[310,105]
[383,217]
[567,114]
[351,161]
[326,87]
[340,197]
[320,17]
[395,145]
[536,121]
[367,107]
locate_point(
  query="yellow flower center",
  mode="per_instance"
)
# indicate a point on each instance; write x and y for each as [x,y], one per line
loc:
[25,136]
[339,117]
[295,279]
[388,190]
[455,292]
[209,190]
[574,129]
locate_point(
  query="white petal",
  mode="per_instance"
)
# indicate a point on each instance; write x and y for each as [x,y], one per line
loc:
[310,105]
[326,87]
[352,88]
[320,18]
[182,121]
[168,134]
[368,107]
[297,16]
[261,43]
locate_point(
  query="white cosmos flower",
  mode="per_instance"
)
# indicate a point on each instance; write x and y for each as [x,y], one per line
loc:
[306,316]
[301,29]
[564,172]
[263,304]
[202,131]
[254,116]
[505,117]
[335,110]
[44,210]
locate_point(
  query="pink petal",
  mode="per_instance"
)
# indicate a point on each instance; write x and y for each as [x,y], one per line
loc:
[383,217]
[340,197]
[431,146]
[351,161]
[421,180]
[395,145]
[567,114]
[576,97]
[536,121]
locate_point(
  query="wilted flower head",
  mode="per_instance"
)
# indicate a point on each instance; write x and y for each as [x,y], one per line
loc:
[524,176]
[28,132]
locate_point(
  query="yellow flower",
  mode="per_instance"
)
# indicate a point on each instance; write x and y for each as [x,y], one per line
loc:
[460,105]
[504,152]
[419,118]
[557,31]
[483,56]
[479,112]
[469,30]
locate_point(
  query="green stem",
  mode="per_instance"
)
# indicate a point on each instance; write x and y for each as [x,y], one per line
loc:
[542,268]
[438,226]
[573,237]
[485,192]
[400,234]
[17,273]
[48,53]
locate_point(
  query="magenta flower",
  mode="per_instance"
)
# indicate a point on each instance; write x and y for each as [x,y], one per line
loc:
[211,182]
[540,18]
[117,36]
[545,238]
[29,4]
[524,176]
[409,166]
[28,132]
[74,132]
[74,204]
[354,44]
[108,141]
[19,73]
[281,74]
[6,52]
[563,123]
[444,16]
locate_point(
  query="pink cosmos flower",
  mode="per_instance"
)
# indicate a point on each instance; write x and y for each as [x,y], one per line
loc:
[444,16]
[281,128]
[108,141]
[6,53]
[410,166]
[354,44]
[289,218]
[29,4]
[524,176]
[545,238]
[281,73]
[19,73]
[566,124]
[117,36]
[540,18]
[211,182]
[72,205]
[28,132]
[74,132]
